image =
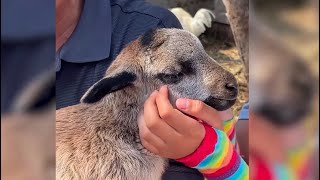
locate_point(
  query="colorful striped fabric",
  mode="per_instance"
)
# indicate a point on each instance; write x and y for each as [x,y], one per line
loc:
[265,171]
[228,128]
[283,172]
[299,158]
[216,157]
[297,167]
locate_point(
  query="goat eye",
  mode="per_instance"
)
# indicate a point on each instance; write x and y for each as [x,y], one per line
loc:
[170,78]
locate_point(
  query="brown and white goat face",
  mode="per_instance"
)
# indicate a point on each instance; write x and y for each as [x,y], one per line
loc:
[169,57]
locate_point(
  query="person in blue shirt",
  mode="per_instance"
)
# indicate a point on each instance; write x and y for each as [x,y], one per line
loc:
[102,31]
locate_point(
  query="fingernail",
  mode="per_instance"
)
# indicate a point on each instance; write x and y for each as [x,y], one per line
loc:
[154,93]
[163,88]
[182,103]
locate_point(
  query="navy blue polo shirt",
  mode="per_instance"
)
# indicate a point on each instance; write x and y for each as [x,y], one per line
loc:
[27,45]
[96,42]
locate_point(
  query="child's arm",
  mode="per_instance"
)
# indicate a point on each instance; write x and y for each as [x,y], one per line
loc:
[228,128]
[216,157]
[170,133]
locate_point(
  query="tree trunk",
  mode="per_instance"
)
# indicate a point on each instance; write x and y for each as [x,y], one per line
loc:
[238,15]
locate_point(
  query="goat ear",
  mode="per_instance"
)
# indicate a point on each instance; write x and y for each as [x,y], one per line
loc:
[108,85]
[150,40]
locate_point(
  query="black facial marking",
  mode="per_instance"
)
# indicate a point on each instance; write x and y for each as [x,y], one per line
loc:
[170,78]
[219,104]
[148,38]
[108,85]
[187,67]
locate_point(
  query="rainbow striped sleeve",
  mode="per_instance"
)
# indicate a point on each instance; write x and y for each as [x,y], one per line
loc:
[216,157]
[228,128]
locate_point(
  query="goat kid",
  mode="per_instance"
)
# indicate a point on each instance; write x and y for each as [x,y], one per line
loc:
[99,138]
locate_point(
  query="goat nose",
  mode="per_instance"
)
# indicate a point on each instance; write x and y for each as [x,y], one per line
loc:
[232,87]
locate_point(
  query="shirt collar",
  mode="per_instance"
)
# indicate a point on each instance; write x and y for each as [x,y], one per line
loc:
[91,39]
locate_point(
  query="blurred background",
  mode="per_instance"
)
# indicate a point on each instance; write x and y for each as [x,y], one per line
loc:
[27,90]
[284,89]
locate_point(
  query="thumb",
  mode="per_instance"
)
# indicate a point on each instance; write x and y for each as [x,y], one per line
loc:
[200,111]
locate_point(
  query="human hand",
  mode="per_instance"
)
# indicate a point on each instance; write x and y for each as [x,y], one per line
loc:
[168,132]
[202,112]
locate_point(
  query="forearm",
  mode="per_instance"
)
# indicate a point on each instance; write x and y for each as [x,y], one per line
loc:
[229,129]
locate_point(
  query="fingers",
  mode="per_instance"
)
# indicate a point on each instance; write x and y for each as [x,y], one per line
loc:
[226,115]
[166,131]
[148,139]
[162,101]
[150,147]
[173,117]
[152,120]
[200,110]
